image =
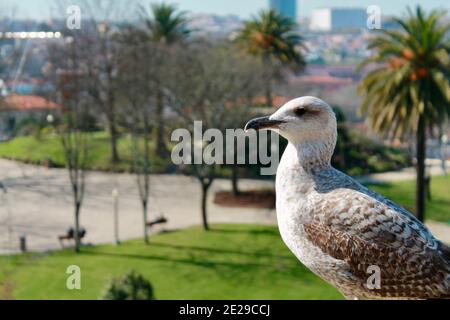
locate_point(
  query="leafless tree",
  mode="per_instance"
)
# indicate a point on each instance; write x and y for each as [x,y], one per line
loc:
[135,74]
[97,37]
[210,89]
[67,72]
[75,143]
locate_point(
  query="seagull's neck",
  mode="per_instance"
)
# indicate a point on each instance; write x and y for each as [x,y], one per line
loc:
[311,157]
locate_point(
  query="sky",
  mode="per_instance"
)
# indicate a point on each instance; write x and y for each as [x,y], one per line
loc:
[41,9]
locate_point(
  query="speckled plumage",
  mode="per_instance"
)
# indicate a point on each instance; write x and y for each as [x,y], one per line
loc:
[338,228]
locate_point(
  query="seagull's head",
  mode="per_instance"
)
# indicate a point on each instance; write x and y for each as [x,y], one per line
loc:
[303,120]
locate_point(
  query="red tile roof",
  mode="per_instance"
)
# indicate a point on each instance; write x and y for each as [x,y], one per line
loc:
[27,103]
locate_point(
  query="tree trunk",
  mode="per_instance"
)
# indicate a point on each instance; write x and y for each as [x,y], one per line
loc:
[269,101]
[420,169]
[205,189]
[442,150]
[113,136]
[268,64]
[234,180]
[161,149]
[77,227]
[144,208]
[428,187]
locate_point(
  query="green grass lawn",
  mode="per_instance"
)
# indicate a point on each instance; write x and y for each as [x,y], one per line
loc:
[35,150]
[403,192]
[48,147]
[228,262]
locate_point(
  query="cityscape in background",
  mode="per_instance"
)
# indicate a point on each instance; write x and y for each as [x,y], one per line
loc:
[335,41]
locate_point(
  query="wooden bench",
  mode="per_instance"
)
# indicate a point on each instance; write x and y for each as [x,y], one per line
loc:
[159,220]
[70,235]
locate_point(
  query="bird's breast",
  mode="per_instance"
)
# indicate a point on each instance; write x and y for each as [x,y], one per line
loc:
[294,191]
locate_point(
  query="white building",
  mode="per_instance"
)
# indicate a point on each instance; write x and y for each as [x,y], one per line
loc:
[331,19]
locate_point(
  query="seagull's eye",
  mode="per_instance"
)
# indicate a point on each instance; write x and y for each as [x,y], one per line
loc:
[300,112]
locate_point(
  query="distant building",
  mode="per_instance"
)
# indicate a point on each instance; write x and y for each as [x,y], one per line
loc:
[331,19]
[287,8]
[15,108]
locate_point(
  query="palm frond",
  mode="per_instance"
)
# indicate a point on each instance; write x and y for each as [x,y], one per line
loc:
[412,77]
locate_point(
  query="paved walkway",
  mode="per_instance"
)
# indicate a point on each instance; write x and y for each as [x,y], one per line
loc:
[433,167]
[38,205]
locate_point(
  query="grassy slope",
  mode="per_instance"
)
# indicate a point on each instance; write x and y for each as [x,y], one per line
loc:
[29,148]
[48,147]
[229,262]
[403,192]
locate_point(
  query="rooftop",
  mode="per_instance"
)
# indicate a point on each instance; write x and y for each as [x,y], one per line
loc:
[27,103]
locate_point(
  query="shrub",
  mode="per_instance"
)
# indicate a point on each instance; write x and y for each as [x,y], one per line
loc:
[132,286]
[356,154]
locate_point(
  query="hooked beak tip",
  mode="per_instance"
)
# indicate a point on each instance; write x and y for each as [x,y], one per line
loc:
[262,123]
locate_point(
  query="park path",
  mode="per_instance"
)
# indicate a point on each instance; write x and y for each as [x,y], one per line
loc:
[433,168]
[38,205]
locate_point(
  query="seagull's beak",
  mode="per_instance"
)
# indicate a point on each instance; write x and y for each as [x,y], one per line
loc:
[262,123]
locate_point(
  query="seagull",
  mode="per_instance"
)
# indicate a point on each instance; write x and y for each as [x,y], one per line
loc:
[342,231]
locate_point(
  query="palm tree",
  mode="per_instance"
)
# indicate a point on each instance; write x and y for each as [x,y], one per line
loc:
[166,26]
[409,90]
[272,37]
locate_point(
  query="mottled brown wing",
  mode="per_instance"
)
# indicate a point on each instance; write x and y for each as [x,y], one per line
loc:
[364,232]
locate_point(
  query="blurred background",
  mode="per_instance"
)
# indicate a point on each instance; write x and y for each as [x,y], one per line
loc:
[91,91]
